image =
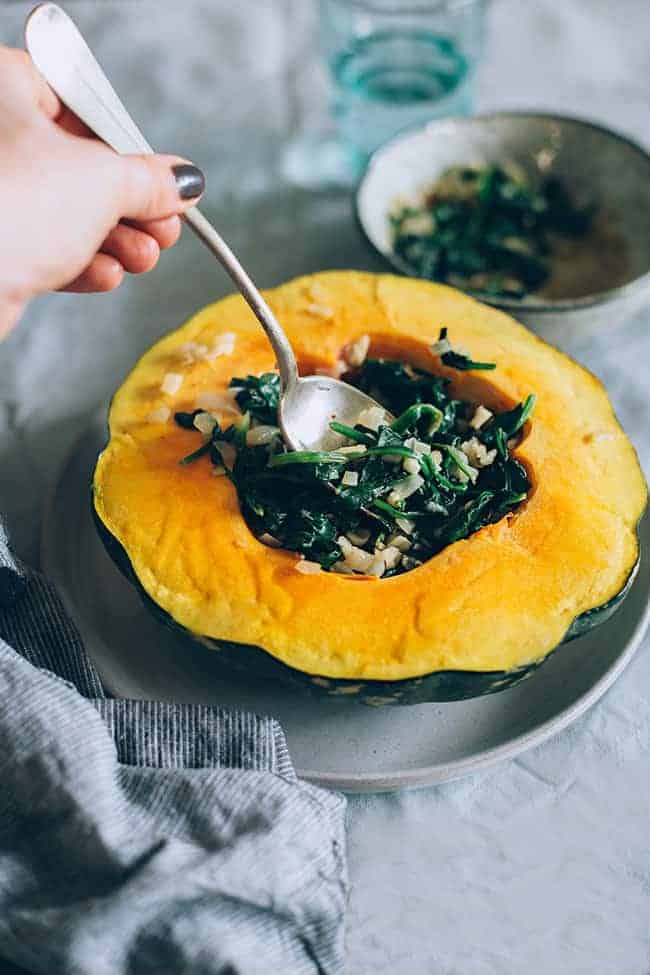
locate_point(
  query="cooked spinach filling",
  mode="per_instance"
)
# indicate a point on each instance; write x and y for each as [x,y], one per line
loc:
[487,229]
[394,493]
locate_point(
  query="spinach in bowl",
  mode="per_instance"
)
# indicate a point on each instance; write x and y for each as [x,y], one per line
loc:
[488,229]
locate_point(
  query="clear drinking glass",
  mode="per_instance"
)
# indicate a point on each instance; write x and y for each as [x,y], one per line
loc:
[398,63]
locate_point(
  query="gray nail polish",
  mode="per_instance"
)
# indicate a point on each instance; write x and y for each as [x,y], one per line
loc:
[190,181]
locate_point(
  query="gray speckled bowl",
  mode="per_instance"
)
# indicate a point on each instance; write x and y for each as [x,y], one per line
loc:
[591,161]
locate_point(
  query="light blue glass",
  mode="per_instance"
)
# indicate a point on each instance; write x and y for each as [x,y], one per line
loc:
[398,64]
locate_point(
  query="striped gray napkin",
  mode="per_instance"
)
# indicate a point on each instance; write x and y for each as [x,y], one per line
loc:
[144,837]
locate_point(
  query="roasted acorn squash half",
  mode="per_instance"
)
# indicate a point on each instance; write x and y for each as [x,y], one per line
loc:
[480,615]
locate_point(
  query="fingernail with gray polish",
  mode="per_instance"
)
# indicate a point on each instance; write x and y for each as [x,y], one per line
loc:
[190,181]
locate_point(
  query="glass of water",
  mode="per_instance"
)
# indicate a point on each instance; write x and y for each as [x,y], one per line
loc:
[399,63]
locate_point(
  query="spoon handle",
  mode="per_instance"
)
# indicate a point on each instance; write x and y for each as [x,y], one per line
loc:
[62,56]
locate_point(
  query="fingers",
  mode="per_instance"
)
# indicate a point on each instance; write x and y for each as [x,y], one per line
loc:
[135,250]
[158,186]
[104,273]
[165,232]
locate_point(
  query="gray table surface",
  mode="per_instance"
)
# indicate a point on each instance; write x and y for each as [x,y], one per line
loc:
[541,865]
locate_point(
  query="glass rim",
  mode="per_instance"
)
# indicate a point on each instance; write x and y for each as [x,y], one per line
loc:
[414,7]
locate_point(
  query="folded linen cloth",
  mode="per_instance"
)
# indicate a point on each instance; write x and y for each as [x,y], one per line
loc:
[145,837]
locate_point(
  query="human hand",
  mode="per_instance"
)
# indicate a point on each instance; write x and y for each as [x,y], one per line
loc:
[76,215]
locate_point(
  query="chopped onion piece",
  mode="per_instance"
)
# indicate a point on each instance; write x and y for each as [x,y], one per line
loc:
[228,453]
[320,311]
[355,352]
[356,448]
[359,537]
[344,544]
[420,225]
[358,560]
[307,568]
[391,556]
[350,479]
[223,402]
[441,347]
[205,423]
[318,293]
[372,417]
[343,568]
[261,435]
[161,415]
[404,489]
[354,558]
[463,470]
[171,383]
[191,352]
[404,202]
[270,540]
[224,345]
[481,416]
[400,542]
[602,435]
[377,567]
[411,465]
[419,446]
[405,525]
[477,453]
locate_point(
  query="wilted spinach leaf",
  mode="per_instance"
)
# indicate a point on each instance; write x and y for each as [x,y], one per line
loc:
[258,395]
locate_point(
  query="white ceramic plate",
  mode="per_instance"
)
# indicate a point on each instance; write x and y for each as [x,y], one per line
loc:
[343,745]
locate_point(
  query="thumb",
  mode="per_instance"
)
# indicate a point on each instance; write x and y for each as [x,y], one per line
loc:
[152,187]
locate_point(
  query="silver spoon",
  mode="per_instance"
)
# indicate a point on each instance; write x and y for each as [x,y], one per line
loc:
[308,404]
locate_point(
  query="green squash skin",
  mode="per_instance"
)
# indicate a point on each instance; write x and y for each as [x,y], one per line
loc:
[440,686]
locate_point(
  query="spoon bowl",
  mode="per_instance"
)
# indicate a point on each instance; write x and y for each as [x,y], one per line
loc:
[311,403]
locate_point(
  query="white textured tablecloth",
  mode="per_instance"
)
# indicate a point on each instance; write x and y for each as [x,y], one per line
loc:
[541,865]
